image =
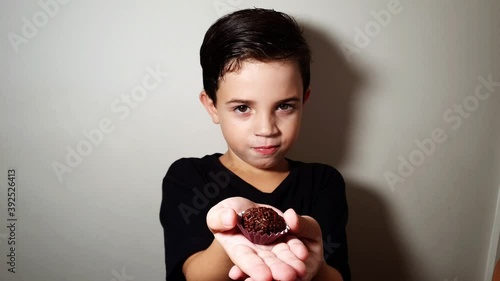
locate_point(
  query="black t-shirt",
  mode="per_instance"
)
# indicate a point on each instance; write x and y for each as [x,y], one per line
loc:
[194,185]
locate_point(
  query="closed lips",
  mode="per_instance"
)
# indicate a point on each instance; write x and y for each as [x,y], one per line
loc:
[266,147]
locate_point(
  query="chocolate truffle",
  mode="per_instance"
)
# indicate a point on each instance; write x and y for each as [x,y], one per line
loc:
[263,220]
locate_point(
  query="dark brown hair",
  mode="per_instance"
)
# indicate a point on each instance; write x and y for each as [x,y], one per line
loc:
[259,34]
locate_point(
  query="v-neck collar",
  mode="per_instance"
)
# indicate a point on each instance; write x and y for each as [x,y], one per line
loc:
[282,185]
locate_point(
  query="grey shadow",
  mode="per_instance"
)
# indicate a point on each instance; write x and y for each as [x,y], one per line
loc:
[375,251]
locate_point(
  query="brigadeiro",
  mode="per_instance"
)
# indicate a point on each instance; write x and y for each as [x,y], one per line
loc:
[262,225]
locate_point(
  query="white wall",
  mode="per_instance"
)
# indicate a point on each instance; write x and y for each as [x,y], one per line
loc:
[100,221]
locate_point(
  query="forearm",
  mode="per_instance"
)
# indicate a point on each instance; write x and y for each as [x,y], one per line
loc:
[210,264]
[327,273]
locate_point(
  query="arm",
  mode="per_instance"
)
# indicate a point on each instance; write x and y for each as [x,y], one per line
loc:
[200,266]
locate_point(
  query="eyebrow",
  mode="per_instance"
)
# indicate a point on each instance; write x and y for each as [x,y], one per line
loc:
[294,99]
[240,101]
[250,102]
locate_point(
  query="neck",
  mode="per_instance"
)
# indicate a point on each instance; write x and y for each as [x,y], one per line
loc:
[263,179]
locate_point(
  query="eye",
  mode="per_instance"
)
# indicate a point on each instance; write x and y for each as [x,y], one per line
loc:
[242,108]
[285,106]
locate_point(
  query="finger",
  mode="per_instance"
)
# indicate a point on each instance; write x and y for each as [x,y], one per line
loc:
[302,226]
[220,219]
[291,219]
[284,253]
[236,273]
[298,248]
[238,204]
[250,263]
[280,270]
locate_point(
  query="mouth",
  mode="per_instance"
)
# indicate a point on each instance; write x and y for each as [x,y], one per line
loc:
[266,150]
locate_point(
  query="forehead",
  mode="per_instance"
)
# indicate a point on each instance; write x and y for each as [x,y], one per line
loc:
[256,77]
[237,67]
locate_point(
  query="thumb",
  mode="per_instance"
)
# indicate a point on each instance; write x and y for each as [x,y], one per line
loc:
[302,226]
[220,219]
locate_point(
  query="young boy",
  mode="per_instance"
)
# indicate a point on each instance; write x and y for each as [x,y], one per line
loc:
[256,73]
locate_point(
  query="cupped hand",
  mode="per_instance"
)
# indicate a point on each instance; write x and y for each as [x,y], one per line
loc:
[308,231]
[279,261]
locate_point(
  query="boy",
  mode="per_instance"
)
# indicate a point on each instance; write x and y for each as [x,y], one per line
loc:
[256,73]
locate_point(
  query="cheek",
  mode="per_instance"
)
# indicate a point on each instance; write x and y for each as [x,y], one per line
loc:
[234,129]
[290,122]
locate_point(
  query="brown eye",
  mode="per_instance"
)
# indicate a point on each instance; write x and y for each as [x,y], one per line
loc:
[285,106]
[241,108]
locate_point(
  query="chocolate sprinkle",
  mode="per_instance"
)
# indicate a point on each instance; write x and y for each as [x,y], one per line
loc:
[263,220]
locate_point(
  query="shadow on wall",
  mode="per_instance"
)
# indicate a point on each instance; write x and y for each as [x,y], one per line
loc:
[375,252]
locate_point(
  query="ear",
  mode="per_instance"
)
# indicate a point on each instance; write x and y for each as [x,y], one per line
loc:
[306,95]
[209,106]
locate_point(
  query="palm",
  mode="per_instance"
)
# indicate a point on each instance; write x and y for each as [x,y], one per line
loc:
[289,259]
[281,261]
[314,259]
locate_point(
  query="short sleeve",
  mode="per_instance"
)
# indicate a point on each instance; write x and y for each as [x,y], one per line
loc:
[331,212]
[183,216]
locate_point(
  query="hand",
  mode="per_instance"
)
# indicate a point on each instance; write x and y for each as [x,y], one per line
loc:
[307,230]
[279,261]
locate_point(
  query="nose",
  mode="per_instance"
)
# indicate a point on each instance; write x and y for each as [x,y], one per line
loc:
[265,125]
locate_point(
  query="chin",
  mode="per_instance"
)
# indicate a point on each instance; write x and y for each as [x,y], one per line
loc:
[267,162]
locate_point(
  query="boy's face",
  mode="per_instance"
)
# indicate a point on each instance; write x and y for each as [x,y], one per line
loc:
[259,109]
